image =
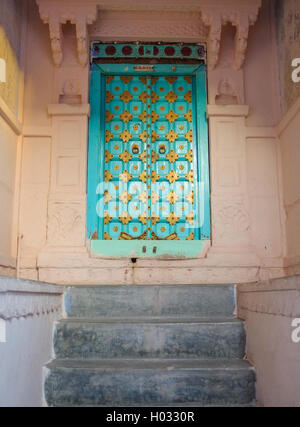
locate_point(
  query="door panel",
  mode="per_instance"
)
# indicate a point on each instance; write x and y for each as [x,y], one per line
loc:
[150,159]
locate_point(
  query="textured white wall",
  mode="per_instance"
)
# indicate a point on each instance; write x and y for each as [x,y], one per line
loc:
[29,310]
[268,309]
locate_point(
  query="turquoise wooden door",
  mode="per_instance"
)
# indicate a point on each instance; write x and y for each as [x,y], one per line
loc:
[150,164]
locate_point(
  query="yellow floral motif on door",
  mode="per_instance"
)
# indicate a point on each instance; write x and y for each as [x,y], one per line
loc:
[149,165]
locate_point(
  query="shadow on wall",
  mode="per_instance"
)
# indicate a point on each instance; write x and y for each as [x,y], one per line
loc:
[288,41]
[10,40]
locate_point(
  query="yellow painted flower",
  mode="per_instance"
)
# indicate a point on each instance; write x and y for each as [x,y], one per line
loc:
[155,176]
[109,79]
[154,197]
[189,135]
[155,136]
[107,218]
[154,156]
[190,197]
[171,97]
[172,176]
[172,218]
[154,116]
[191,236]
[109,97]
[126,116]
[125,176]
[107,196]
[126,79]
[143,79]
[126,96]
[125,156]
[172,156]
[143,218]
[172,135]
[108,135]
[190,218]
[154,219]
[108,156]
[107,176]
[107,236]
[189,156]
[171,80]
[143,197]
[125,218]
[126,135]
[188,96]
[125,197]
[172,197]
[143,96]
[143,136]
[143,116]
[190,176]
[172,116]
[189,116]
[154,97]
[143,176]
[143,156]
[108,116]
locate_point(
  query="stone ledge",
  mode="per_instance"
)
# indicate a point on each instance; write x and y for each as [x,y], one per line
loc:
[11,284]
[68,110]
[227,110]
[279,297]
[23,298]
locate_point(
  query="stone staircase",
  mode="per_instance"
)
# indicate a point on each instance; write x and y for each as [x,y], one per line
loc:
[149,346]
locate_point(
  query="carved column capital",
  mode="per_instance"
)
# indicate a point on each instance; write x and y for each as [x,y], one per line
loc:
[57,13]
[242,22]
[241,16]
[212,19]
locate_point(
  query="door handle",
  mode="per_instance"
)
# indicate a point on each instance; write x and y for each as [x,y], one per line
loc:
[144,249]
[154,249]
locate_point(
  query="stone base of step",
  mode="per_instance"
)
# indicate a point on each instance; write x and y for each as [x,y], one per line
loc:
[142,301]
[128,382]
[149,338]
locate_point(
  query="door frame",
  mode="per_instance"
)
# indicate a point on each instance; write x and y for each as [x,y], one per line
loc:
[145,248]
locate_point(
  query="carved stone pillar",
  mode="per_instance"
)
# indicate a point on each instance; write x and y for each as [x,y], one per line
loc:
[67,198]
[229,195]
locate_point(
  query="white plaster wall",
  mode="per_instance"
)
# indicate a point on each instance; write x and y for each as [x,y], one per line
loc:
[276,359]
[268,309]
[29,310]
[28,348]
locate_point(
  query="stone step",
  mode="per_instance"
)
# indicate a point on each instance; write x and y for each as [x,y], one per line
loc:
[149,338]
[164,300]
[149,382]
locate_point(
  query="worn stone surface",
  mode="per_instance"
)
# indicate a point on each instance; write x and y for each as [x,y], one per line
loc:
[130,301]
[133,383]
[149,346]
[141,339]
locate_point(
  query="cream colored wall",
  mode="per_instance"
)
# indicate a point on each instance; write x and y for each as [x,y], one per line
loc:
[8,155]
[268,309]
[246,186]
[11,100]
[289,130]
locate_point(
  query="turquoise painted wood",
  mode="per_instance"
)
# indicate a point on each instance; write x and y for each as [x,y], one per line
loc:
[148,175]
[147,50]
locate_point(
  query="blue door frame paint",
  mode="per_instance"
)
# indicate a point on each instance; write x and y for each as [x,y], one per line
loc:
[96,155]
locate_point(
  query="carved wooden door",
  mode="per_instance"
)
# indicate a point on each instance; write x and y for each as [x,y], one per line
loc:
[150,165]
